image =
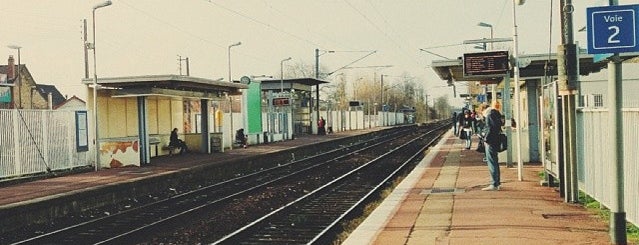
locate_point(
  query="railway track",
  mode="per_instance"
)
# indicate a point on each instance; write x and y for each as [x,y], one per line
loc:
[229,205]
[316,217]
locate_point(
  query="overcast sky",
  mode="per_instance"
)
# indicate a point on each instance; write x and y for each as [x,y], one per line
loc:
[142,37]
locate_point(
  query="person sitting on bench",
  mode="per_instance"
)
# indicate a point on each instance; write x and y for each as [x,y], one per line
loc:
[240,137]
[175,142]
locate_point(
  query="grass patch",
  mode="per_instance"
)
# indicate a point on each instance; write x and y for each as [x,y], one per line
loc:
[632,231]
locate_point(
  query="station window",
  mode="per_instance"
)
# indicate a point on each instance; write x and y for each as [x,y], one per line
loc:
[598,100]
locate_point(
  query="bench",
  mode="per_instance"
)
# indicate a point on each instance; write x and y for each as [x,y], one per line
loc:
[154,141]
[171,148]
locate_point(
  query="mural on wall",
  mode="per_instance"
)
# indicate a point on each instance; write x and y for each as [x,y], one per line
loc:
[117,154]
[191,108]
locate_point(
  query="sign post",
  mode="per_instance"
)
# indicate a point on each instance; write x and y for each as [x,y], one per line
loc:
[613,29]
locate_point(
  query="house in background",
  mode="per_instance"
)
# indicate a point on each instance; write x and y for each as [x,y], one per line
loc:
[74,103]
[18,90]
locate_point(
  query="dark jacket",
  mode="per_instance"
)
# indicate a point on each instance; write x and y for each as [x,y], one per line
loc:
[174,141]
[493,127]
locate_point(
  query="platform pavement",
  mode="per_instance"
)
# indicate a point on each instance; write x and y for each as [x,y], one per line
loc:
[459,212]
[49,188]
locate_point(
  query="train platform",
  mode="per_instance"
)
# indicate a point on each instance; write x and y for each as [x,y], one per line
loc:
[441,202]
[55,186]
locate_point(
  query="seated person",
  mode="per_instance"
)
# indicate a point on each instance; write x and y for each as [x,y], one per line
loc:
[175,142]
[240,138]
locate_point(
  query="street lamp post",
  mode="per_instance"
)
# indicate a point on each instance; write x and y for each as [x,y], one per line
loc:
[17,78]
[282,122]
[483,24]
[520,164]
[95,89]
[317,76]
[282,74]
[493,87]
[230,97]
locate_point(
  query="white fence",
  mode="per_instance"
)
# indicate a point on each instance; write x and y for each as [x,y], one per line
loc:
[593,157]
[33,140]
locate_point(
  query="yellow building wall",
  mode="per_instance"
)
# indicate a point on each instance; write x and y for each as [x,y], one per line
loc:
[152,115]
[164,125]
[131,116]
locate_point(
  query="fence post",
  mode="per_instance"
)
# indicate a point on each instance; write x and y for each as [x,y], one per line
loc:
[16,142]
[45,115]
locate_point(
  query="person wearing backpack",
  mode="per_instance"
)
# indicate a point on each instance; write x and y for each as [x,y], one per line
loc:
[492,130]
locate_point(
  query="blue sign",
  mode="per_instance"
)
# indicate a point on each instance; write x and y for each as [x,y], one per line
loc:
[612,29]
[5,94]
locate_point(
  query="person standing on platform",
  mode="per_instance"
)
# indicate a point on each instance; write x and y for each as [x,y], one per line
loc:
[466,128]
[321,126]
[492,129]
[454,119]
[460,121]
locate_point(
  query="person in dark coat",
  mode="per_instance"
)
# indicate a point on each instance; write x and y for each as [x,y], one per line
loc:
[240,137]
[174,141]
[492,129]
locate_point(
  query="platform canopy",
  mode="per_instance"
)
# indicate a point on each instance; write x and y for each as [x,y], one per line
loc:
[531,66]
[167,85]
[303,84]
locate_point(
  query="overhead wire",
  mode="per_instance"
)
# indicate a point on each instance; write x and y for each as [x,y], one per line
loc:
[193,35]
[547,65]
[300,23]
[263,23]
[380,30]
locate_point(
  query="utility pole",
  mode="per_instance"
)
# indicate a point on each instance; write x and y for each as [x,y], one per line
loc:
[568,88]
[180,59]
[86,51]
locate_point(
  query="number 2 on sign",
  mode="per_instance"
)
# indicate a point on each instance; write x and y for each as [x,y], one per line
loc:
[615,33]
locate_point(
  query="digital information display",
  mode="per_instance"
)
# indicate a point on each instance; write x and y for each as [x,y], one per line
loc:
[486,64]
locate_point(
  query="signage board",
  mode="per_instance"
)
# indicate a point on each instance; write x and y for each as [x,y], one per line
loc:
[5,94]
[281,101]
[612,29]
[486,64]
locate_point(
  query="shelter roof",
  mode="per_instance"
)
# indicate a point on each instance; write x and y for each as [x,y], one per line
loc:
[303,84]
[169,85]
[531,66]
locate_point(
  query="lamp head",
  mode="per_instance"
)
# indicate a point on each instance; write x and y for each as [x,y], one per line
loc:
[482,24]
[235,44]
[14,47]
[287,59]
[104,4]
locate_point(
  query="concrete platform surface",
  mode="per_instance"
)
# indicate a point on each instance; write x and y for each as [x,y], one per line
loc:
[441,202]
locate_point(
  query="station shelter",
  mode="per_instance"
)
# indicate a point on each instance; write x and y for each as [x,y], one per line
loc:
[289,106]
[536,70]
[136,115]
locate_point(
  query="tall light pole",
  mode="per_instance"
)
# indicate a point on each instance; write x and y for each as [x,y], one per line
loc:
[318,53]
[229,54]
[282,74]
[520,164]
[95,89]
[492,36]
[17,78]
[231,97]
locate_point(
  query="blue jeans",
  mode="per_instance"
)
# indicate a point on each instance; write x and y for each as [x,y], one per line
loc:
[493,164]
